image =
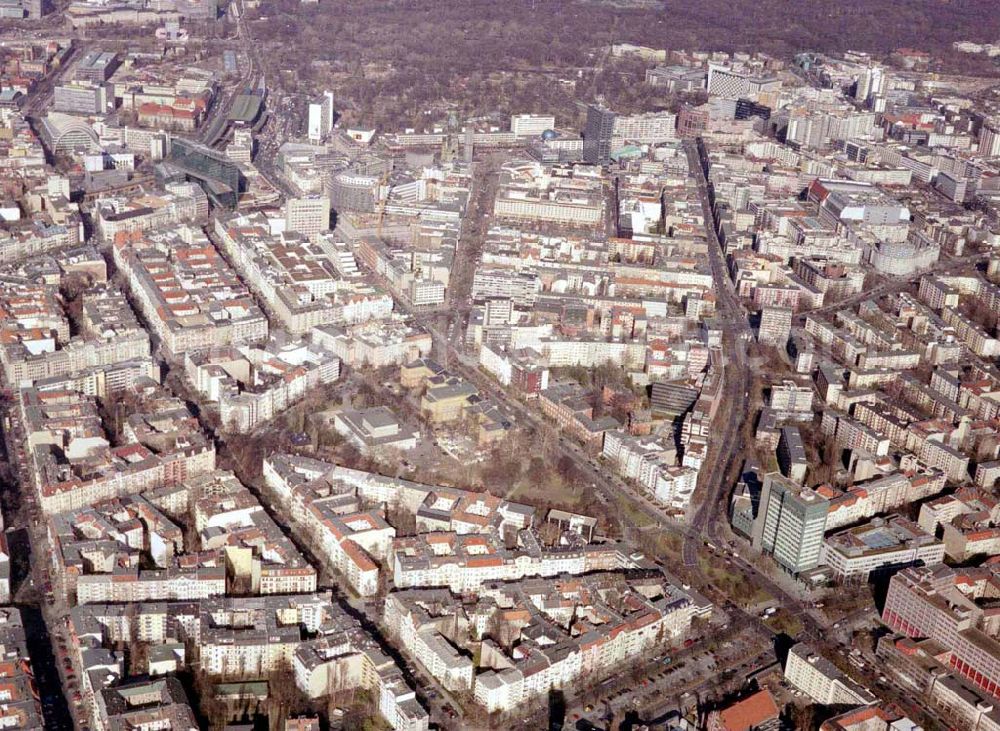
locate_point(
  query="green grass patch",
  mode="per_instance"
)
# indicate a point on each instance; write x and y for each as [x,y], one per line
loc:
[731,581]
[556,492]
[632,513]
[782,621]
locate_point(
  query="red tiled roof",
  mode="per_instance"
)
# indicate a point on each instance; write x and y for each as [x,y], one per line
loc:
[749,712]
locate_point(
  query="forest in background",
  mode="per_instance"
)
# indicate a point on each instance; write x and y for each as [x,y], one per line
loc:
[393,62]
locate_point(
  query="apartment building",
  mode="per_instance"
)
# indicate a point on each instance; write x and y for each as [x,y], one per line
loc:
[775,326]
[300,480]
[653,465]
[376,344]
[259,556]
[969,521]
[915,665]
[525,369]
[791,400]
[854,435]
[37,346]
[159,703]
[251,385]
[351,654]
[186,291]
[820,679]
[353,543]
[464,562]
[297,279]
[792,454]
[307,636]
[931,602]
[73,465]
[539,666]
[21,707]
[881,494]
[61,229]
[428,634]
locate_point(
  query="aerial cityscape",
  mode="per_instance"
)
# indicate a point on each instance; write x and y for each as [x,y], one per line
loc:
[610,365]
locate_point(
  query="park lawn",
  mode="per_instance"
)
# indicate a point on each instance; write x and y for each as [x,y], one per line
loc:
[556,492]
[636,516]
[782,621]
[732,582]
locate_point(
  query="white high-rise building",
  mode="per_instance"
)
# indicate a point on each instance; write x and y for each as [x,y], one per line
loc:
[307,216]
[531,125]
[790,524]
[320,117]
[820,679]
[989,139]
[241,147]
[871,83]
[645,128]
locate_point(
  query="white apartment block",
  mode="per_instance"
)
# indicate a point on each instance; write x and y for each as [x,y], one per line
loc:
[591,353]
[307,216]
[148,586]
[252,385]
[820,679]
[467,572]
[791,399]
[375,344]
[320,117]
[882,495]
[531,125]
[649,128]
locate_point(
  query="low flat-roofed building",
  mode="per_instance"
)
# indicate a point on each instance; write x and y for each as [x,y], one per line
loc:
[881,543]
[375,428]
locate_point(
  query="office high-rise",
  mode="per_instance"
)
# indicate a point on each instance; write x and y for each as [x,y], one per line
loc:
[321,117]
[597,135]
[989,139]
[307,216]
[790,523]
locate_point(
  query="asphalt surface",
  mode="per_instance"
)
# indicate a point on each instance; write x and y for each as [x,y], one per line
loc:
[29,555]
[725,452]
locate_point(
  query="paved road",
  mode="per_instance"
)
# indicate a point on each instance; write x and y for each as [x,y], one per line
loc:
[41,96]
[726,451]
[893,286]
[43,621]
